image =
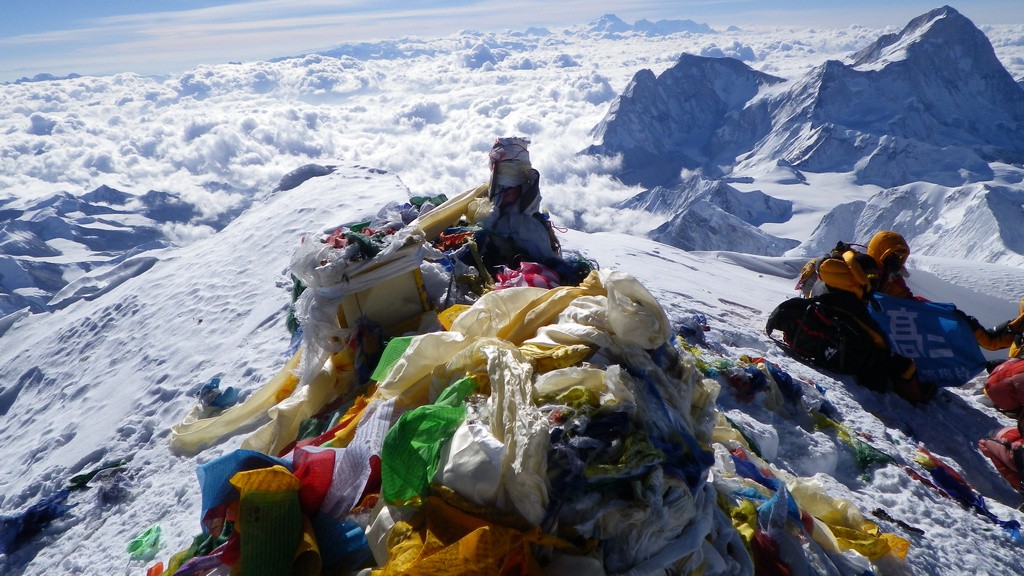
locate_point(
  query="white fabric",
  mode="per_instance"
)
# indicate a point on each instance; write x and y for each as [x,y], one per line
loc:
[628,315]
[383,518]
[330,275]
[609,384]
[494,310]
[633,313]
[471,465]
[411,375]
[498,457]
[353,462]
[479,211]
[519,424]
[508,150]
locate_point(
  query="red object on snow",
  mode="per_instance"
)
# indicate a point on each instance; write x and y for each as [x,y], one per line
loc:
[1005,385]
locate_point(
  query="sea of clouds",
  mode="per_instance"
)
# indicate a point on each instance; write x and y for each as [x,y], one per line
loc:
[428,110]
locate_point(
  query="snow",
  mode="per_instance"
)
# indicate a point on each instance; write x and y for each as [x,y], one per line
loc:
[107,372]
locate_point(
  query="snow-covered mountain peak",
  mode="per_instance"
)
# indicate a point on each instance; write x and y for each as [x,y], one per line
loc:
[612,25]
[931,104]
[942,31]
[609,23]
[664,123]
[936,86]
[934,90]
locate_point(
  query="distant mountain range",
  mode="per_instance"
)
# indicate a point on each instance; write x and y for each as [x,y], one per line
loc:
[929,104]
[612,24]
[47,245]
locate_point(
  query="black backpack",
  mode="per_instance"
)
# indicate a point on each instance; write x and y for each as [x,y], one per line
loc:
[821,335]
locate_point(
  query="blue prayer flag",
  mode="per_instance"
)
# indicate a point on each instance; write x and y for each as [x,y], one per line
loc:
[932,334]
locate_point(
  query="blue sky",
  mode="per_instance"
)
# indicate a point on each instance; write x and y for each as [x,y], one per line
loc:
[170,36]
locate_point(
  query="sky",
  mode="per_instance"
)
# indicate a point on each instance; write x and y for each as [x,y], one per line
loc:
[168,36]
[133,334]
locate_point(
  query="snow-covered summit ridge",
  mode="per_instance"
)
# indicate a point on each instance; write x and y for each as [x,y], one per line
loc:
[51,242]
[935,90]
[954,90]
[106,378]
[929,115]
[930,33]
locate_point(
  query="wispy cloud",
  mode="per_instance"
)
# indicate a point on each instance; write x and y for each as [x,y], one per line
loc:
[170,41]
[253,30]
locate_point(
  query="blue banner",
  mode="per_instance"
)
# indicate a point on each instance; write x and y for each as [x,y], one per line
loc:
[934,335]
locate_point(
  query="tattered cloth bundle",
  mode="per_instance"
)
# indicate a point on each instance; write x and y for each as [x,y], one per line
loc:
[547,430]
[599,456]
[550,431]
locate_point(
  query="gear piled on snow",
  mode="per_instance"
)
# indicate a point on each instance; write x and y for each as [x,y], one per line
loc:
[432,424]
[756,378]
[941,339]
[494,445]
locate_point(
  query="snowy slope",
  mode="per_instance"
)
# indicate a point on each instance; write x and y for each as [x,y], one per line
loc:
[978,222]
[107,374]
[106,378]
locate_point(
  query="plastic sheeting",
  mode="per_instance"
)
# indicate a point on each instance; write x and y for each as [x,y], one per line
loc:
[411,449]
[330,274]
[287,415]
